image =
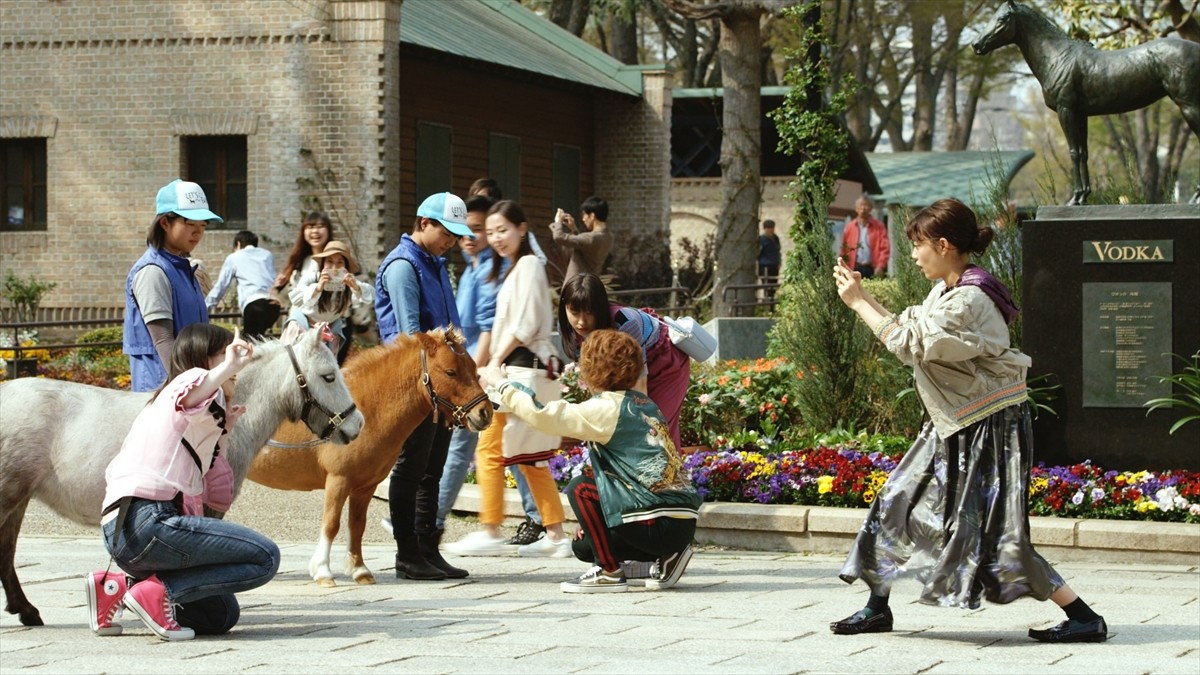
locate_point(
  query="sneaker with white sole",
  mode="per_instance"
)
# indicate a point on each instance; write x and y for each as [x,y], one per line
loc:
[547,548]
[637,572]
[668,570]
[105,594]
[479,543]
[596,580]
[386,523]
[528,532]
[149,600]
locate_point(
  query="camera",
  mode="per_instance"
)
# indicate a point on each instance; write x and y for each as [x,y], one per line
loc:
[335,279]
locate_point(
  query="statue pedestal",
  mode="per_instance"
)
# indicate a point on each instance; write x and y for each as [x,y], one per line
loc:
[1109,293]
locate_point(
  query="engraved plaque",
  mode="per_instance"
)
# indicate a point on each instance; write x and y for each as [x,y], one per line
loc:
[1126,343]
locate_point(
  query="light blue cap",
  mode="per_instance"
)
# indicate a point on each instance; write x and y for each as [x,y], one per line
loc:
[449,210]
[186,199]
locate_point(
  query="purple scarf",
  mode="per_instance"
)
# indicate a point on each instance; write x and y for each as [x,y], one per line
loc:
[998,292]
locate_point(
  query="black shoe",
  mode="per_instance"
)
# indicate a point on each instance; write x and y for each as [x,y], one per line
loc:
[527,533]
[410,564]
[1073,631]
[859,622]
[428,545]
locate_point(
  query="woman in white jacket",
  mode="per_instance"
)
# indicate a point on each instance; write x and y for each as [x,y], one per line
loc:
[521,343]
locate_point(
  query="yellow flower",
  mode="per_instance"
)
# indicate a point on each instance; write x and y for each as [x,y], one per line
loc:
[868,496]
[824,484]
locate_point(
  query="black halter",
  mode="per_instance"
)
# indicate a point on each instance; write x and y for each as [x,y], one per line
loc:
[459,413]
[335,419]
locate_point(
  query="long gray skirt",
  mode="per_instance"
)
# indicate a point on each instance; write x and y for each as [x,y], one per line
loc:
[955,515]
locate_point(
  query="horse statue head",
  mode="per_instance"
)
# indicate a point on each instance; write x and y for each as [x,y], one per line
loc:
[1002,32]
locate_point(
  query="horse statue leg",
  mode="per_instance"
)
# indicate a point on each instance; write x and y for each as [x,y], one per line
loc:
[1191,114]
[1074,126]
[356,521]
[336,492]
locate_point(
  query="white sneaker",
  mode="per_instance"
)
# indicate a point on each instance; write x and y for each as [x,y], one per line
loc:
[547,548]
[387,524]
[479,543]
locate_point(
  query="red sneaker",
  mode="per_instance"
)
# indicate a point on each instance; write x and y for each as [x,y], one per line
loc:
[105,591]
[149,600]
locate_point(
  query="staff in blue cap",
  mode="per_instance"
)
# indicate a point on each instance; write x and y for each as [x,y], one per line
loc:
[162,296]
[413,294]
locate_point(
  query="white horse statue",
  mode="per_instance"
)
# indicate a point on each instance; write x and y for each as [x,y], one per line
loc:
[57,437]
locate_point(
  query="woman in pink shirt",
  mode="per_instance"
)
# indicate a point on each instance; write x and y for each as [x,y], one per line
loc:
[187,567]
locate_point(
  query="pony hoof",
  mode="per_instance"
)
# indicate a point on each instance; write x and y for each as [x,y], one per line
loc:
[326,582]
[33,618]
[367,579]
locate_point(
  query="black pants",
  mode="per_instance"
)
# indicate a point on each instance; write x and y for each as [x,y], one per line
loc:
[608,546]
[413,491]
[866,271]
[259,316]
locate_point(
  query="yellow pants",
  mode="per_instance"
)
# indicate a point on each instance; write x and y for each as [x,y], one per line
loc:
[489,475]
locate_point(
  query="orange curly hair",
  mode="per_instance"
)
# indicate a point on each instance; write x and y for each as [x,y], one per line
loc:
[610,361]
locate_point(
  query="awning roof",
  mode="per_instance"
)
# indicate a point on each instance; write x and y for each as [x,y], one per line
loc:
[920,178]
[504,33]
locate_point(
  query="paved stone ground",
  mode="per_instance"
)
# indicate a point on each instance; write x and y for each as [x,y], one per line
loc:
[733,612]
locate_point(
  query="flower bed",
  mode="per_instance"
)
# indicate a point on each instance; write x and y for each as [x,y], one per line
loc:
[850,476]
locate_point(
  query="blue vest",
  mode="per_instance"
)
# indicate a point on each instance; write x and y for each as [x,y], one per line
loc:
[437,309]
[187,307]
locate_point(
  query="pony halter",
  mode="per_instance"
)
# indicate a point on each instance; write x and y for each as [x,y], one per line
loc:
[335,420]
[459,413]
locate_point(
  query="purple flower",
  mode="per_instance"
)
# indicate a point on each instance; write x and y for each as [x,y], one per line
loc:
[1077,499]
[1097,494]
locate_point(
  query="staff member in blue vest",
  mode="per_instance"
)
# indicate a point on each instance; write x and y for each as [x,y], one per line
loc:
[162,295]
[413,294]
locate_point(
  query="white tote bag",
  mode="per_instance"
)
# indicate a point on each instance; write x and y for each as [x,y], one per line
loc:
[520,439]
[690,337]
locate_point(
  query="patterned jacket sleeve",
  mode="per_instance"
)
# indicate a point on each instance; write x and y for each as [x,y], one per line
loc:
[942,329]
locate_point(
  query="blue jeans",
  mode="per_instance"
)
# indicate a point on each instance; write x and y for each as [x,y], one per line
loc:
[195,557]
[458,463]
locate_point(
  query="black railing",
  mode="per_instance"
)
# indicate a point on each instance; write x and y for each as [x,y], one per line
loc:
[764,299]
[679,298]
[19,326]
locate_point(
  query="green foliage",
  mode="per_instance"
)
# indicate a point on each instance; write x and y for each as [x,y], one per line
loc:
[25,295]
[733,398]
[1189,382]
[107,334]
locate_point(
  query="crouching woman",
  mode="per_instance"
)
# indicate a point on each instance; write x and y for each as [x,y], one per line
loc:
[638,503]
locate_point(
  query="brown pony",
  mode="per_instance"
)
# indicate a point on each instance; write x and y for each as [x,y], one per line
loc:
[395,386]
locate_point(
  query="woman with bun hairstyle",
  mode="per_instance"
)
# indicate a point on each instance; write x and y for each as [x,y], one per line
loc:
[954,511]
[584,307]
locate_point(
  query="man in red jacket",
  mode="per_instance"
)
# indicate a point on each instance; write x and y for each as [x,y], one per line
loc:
[865,244]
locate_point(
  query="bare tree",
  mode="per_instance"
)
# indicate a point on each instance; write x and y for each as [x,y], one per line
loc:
[570,15]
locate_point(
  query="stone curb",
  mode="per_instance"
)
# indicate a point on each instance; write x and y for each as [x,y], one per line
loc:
[823,529]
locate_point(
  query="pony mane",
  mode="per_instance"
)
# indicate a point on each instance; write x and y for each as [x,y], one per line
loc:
[371,358]
[1026,10]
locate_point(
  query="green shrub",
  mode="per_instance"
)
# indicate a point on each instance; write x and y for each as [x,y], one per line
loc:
[107,334]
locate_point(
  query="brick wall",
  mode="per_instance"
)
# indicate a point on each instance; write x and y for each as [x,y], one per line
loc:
[633,157]
[112,87]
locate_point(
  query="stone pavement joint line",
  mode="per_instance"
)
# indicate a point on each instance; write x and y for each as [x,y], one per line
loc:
[732,612]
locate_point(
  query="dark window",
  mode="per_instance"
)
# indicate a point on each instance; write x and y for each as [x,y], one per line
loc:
[218,165]
[504,164]
[23,180]
[566,180]
[434,159]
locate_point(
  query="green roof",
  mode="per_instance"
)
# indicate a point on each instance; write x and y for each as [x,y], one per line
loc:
[921,178]
[506,34]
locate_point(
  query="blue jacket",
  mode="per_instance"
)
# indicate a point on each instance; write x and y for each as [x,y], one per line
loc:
[477,297]
[187,308]
[437,307]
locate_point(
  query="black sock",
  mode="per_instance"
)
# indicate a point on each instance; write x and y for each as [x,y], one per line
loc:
[877,603]
[1079,611]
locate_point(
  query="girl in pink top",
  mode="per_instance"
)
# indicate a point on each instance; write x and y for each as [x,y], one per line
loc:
[187,567]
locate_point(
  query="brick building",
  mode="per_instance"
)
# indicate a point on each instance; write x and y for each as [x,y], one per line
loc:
[360,107]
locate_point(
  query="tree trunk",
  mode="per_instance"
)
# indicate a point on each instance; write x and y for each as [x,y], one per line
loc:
[622,36]
[741,153]
[570,15]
